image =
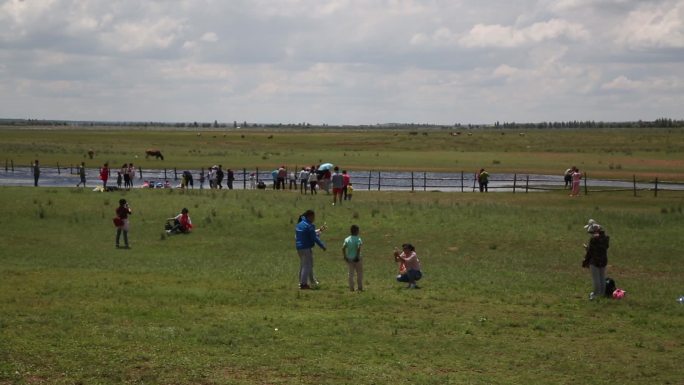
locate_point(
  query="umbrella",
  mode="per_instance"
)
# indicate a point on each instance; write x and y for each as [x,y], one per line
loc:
[326,166]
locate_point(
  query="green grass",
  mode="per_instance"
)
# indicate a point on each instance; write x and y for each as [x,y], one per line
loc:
[602,153]
[503,298]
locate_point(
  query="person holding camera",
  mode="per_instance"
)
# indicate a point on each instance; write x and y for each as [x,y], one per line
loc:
[351,252]
[121,222]
[409,265]
[596,258]
[306,237]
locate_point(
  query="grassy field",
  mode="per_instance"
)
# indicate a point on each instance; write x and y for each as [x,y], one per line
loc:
[504,299]
[602,153]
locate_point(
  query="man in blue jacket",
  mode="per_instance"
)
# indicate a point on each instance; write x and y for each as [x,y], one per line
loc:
[306,236]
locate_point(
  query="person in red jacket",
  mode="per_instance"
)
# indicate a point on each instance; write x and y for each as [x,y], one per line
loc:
[181,223]
[104,175]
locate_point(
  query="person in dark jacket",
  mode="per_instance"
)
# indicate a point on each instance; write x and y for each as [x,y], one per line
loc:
[306,236]
[596,258]
[36,172]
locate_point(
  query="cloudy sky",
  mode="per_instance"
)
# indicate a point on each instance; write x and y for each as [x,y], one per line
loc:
[342,61]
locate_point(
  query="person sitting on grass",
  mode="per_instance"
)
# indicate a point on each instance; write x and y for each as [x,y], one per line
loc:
[181,223]
[409,265]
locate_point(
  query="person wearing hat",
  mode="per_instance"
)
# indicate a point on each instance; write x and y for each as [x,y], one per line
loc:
[596,258]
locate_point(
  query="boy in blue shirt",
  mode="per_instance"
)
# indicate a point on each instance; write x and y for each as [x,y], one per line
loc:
[351,251]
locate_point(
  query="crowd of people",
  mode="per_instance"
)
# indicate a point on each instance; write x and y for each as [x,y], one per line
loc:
[307,236]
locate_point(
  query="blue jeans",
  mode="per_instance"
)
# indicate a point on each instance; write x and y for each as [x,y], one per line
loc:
[410,276]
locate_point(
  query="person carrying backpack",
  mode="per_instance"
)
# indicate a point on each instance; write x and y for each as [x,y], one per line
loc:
[596,257]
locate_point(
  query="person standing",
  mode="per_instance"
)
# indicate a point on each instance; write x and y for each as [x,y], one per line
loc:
[212,177]
[126,176]
[121,222]
[483,180]
[131,175]
[596,258]
[351,252]
[292,180]
[201,179]
[576,179]
[306,237]
[282,175]
[567,177]
[219,177]
[338,185]
[36,172]
[82,175]
[347,181]
[313,180]
[349,191]
[304,180]
[230,178]
[104,175]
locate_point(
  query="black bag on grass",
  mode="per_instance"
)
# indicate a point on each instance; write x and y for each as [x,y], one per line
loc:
[610,287]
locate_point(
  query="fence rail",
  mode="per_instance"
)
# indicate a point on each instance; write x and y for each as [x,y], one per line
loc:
[375,180]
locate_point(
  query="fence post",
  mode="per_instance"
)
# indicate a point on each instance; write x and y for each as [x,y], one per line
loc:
[369,180]
[515,182]
[474,180]
[175,174]
[656,187]
[164,173]
[634,183]
[412,187]
[424,181]
[257,174]
[461,181]
[140,170]
[244,179]
[586,190]
[379,178]
[527,183]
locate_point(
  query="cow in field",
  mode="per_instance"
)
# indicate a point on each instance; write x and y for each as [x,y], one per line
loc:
[154,152]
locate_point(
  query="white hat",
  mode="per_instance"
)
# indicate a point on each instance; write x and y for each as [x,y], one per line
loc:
[592,226]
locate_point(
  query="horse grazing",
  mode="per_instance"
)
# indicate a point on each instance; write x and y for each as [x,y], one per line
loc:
[152,152]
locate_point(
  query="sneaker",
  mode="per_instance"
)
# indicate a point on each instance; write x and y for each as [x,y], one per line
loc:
[592,296]
[304,287]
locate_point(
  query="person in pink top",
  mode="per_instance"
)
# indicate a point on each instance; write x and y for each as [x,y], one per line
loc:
[410,270]
[346,180]
[576,178]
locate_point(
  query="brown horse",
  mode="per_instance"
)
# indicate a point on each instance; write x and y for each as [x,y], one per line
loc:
[154,152]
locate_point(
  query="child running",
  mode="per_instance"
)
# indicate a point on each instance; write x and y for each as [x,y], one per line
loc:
[351,252]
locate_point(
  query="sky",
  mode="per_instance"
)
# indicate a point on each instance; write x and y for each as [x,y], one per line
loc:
[342,61]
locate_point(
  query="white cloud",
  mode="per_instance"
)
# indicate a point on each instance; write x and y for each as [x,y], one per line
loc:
[209,37]
[143,35]
[342,61]
[495,35]
[655,26]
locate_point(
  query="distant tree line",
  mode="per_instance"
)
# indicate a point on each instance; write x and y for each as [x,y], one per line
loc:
[573,124]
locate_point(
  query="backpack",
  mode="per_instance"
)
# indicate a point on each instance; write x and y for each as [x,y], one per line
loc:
[610,287]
